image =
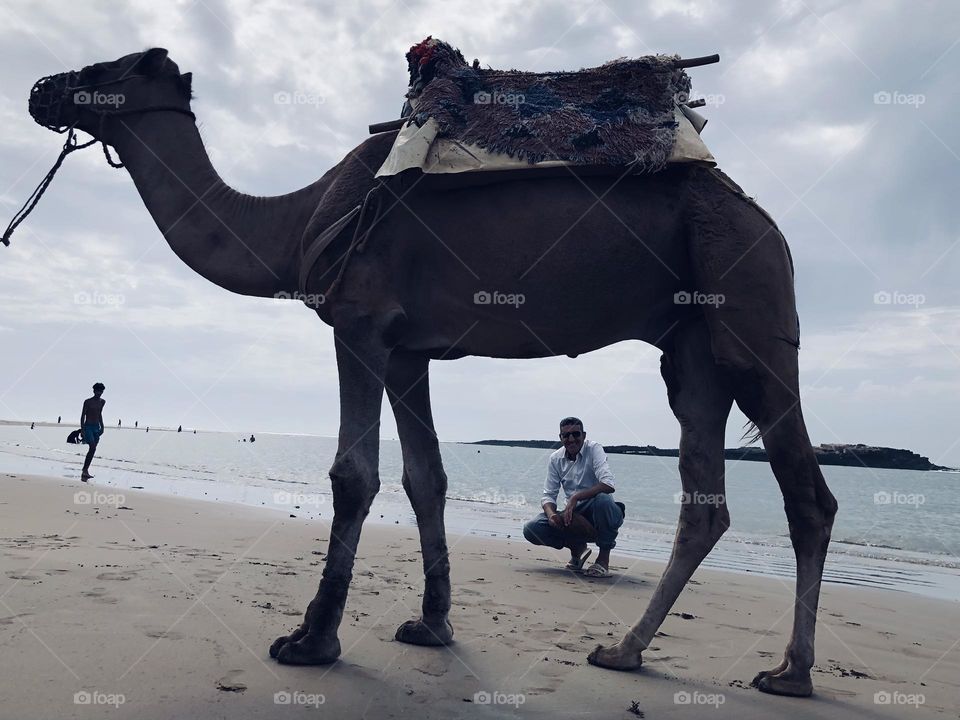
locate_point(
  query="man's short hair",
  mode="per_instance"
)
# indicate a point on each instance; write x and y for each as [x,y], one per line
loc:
[572,421]
[99,386]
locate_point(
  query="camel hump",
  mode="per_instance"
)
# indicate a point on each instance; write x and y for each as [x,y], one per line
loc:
[742,271]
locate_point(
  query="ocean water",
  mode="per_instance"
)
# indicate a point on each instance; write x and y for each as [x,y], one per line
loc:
[896,529]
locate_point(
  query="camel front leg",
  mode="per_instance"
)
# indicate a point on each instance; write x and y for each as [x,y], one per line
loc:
[426,485]
[701,400]
[361,363]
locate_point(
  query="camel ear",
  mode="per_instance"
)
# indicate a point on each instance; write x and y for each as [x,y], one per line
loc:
[152,61]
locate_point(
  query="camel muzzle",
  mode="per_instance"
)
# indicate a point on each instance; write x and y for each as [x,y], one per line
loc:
[47,98]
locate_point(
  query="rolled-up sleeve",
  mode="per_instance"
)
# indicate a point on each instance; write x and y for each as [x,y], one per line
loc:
[601,469]
[551,486]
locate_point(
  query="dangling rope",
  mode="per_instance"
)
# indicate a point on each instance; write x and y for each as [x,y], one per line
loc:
[69,146]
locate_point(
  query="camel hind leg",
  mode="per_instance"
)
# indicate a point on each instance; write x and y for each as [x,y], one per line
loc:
[772,400]
[425,483]
[700,397]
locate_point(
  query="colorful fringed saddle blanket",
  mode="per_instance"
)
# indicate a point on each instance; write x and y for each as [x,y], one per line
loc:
[626,113]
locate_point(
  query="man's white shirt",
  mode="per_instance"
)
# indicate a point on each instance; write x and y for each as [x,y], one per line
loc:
[589,468]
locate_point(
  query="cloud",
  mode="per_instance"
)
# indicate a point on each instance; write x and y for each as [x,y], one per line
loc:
[864,192]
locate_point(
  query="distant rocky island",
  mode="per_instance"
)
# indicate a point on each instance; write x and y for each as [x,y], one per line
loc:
[858,455]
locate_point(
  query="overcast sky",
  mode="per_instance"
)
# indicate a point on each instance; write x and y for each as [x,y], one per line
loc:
[864,190]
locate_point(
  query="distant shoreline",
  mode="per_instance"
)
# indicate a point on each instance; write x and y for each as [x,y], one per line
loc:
[858,455]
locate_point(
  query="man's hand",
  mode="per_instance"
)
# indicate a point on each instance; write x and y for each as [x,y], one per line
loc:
[568,510]
[556,520]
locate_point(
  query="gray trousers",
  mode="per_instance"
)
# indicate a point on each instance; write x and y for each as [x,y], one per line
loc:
[600,511]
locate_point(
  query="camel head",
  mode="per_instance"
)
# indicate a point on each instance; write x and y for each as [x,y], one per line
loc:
[89,98]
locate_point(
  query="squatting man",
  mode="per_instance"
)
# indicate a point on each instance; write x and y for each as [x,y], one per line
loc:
[590,513]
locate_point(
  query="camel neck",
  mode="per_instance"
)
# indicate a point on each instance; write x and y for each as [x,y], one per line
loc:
[246,244]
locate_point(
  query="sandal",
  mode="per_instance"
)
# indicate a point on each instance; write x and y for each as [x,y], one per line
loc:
[577,565]
[597,571]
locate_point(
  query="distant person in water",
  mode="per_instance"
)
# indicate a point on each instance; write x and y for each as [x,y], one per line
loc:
[252,438]
[31,425]
[136,423]
[59,417]
[590,514]
[91,425]
[180,428]
[119,423]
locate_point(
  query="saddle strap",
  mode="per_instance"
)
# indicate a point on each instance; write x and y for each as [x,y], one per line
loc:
[321,243]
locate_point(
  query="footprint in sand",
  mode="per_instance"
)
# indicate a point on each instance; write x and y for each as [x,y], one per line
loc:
[22,575]
[13,618]
[165,634]
[99,594]
[123,575]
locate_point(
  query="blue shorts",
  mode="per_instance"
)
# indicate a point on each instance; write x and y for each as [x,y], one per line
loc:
[91,433]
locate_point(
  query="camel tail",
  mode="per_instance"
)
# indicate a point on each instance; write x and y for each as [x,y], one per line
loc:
[751,433]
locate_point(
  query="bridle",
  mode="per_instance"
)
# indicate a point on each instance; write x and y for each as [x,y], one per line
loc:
[47,98]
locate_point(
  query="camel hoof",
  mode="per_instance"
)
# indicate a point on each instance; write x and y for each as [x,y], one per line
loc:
[783,684]
[281,641]
[309,651]
[417,632]
[614,658]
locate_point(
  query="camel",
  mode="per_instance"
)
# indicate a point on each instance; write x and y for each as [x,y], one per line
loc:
[598,260]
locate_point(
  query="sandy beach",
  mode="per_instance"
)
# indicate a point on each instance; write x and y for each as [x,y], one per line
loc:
[146,606]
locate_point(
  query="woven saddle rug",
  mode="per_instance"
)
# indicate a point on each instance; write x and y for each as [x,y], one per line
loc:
[619,114]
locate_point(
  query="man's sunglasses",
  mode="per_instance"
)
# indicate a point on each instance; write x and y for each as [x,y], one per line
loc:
[575,434]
